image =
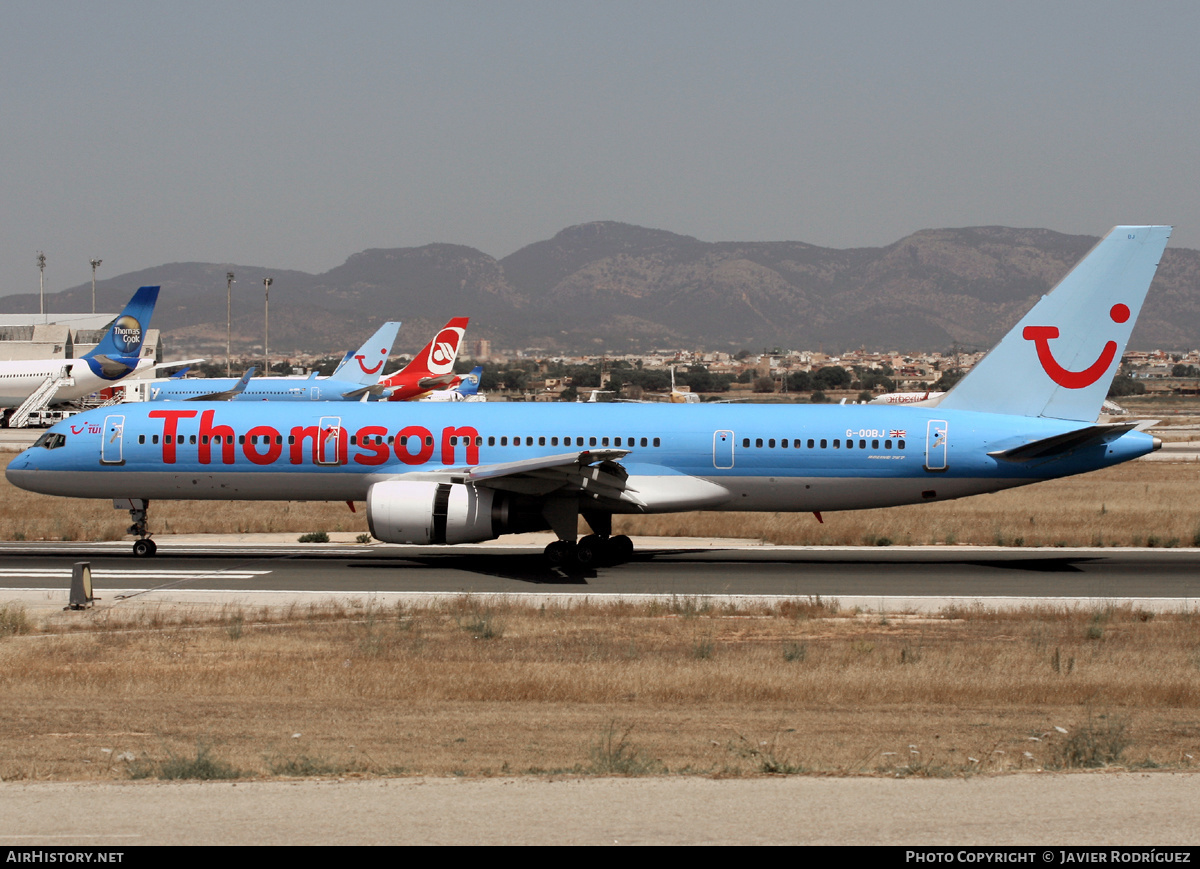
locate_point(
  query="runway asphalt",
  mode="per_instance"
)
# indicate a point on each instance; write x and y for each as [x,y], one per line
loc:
[276,569]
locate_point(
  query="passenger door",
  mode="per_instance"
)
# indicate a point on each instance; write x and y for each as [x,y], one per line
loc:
[112,447]
[329,436]
[936,445]
[723,449]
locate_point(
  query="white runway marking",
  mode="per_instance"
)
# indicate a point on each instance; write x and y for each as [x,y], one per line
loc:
[145,573]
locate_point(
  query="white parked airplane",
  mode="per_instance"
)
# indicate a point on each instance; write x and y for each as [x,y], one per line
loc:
[116,357]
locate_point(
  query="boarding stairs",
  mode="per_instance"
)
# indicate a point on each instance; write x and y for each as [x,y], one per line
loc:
[97,399]
[41,397]
[117,397]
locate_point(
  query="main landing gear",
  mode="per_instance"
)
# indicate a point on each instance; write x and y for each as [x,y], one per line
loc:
[143,547]
[593,550]
[598,549]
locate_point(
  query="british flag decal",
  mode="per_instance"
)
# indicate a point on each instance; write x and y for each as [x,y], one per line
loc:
[898,433]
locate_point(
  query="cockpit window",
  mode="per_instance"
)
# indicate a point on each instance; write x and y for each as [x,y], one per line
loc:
[51,440]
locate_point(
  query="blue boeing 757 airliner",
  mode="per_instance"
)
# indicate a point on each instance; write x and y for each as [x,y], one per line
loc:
[463,472]
[355,379]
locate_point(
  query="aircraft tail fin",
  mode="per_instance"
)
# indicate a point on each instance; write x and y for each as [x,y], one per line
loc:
[118,351]
[1060,359]
[436,358]
[470,382]
[366,365]
[126,333]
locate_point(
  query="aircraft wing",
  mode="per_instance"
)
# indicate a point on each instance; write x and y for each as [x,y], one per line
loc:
[1064,443]
[227,394]
[590,472]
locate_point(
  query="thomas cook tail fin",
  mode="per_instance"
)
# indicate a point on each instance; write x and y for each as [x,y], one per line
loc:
[1059,360]
[117,353]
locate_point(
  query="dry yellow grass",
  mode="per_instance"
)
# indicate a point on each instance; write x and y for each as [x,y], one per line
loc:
[1135,504]
[454,689]
[459,689]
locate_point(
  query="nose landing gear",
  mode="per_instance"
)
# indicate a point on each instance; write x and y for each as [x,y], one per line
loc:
[143,547]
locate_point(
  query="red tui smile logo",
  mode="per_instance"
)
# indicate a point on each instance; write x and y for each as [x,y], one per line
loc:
[363,365]
[1041,337]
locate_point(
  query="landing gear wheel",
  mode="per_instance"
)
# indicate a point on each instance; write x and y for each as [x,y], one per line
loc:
[620,548]
[144,548]
[560,553]
[591,551]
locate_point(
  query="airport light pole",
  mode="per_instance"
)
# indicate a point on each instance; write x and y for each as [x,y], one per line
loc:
[228,322]
[267,323]
[95,263]
[41,261]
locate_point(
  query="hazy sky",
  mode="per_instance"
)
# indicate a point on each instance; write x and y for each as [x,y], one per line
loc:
[294,134]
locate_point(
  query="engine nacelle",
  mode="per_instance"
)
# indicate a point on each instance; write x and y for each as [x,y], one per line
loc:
[422,512]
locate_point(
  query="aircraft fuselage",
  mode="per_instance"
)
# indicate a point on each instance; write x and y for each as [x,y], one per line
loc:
[19,379]
[722,457]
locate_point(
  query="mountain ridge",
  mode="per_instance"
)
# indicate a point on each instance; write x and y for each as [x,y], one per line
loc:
[615,287]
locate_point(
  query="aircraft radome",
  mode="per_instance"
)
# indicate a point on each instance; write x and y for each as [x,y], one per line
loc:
[463,472]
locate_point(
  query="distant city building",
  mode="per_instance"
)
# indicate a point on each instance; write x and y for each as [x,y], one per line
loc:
[480,349]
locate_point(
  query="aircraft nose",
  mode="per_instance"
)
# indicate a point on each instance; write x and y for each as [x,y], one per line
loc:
[21,469]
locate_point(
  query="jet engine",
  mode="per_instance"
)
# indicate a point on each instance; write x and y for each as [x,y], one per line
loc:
[424,512]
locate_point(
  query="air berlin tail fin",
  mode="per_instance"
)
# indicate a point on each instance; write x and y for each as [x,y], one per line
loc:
[435,360]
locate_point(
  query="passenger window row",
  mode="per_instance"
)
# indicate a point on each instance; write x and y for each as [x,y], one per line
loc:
[825,443]
[568,441]
[403,439]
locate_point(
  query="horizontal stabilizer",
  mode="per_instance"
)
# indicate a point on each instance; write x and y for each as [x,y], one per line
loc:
[1064,443]
[363,391]
[435,382]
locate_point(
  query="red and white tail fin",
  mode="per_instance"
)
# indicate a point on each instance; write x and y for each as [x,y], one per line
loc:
[432,366]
